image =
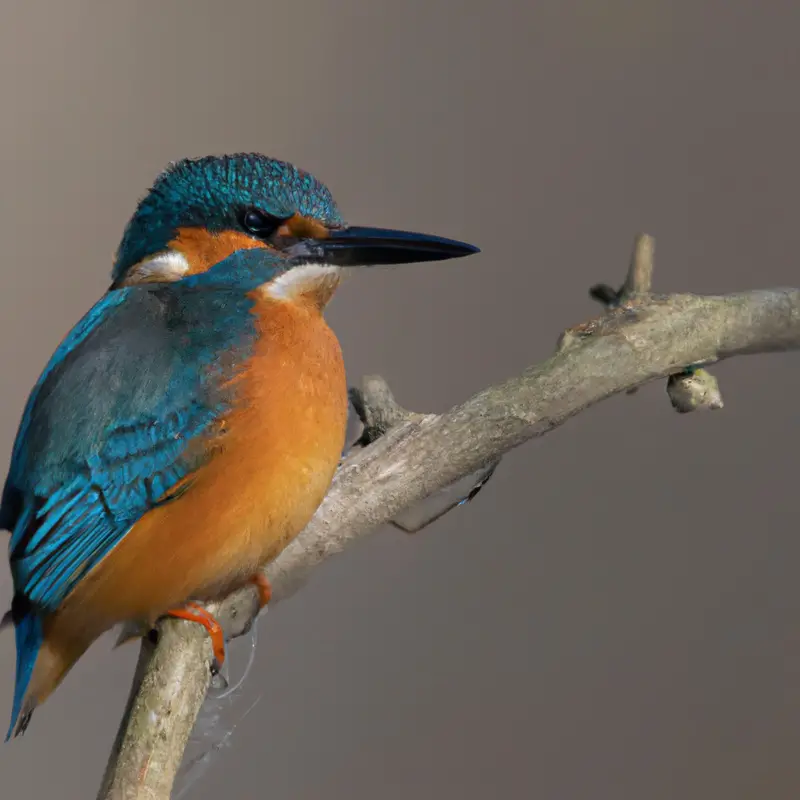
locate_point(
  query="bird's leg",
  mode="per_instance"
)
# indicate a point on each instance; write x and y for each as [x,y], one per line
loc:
[260,581]
[196,613]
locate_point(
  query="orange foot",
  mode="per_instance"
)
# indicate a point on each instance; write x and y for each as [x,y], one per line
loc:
[196,613]
[264,589]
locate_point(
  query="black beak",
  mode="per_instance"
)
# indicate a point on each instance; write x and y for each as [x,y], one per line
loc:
[362,247]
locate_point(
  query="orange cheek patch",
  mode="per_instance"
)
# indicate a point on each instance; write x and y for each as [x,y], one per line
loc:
[300,227]
[202,248]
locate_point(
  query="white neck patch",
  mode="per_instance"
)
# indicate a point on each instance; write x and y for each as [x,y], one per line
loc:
[170,265]
[308,279]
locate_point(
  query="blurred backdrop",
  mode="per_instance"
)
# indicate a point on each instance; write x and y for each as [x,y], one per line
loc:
[616,615]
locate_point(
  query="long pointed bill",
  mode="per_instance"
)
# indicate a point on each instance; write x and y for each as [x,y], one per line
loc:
[363,247]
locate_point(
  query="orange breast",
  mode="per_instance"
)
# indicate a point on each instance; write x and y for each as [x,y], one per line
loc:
[278,456]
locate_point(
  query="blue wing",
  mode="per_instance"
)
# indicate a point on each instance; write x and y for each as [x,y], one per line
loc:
[121,416]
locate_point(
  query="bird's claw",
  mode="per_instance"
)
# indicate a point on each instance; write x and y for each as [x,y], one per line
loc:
[196,613]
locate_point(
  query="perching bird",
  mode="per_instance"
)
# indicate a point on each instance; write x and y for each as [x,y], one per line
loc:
[190,424]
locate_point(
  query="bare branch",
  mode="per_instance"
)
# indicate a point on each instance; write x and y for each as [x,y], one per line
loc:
[640,338]
[688,390]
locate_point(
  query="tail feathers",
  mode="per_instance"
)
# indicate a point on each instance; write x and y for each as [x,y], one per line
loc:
[29,635]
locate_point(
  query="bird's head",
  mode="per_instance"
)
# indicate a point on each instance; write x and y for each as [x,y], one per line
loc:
[201,211]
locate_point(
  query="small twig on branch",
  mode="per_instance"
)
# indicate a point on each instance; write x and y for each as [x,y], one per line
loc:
[638,281]
[641,337]
[377,409]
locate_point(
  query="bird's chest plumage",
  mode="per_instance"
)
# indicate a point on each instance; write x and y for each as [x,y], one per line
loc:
[283,442]
[276,453]
[280,445]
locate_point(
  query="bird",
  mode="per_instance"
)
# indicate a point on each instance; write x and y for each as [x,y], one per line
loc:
[189,425]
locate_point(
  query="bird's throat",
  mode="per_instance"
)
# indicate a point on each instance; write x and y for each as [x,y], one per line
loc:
[307,283]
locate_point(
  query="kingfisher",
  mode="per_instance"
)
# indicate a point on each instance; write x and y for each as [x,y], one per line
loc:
[189,425]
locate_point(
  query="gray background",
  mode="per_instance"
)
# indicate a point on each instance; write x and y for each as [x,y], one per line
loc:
[616,616]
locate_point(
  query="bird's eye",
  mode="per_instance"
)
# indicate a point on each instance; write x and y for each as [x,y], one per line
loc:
[260,223]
